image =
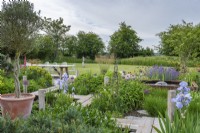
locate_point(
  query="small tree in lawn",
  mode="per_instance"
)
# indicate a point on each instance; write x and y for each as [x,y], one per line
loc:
[19,24]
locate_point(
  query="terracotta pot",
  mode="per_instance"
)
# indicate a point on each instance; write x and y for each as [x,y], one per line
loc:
[17,107]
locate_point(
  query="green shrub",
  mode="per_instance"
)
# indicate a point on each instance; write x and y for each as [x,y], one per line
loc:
[155,102]
[38,78]
[41,76]
[87,83]
[132,95]
[191,76]
[40,123]
[71,120]
[6,84]
[63,100]
[33,86]
[154,105]
[7,125]
[128,96]
[50,98]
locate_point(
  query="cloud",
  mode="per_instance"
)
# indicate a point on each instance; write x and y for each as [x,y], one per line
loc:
[147,17]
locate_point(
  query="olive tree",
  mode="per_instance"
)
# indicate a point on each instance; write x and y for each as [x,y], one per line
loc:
[18,25]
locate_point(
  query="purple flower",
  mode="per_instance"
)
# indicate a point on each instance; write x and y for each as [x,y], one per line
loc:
[179,105]
[183,98]
[65,77]
[60,83]
[161,73]
[183,84]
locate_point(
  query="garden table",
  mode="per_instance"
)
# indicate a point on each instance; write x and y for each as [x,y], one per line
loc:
[63,67]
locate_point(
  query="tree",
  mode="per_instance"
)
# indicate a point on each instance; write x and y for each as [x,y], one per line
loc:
[89,44]
[57,30]
[124,42]
[182,40]
[44,48]
[146,52]
[19,24]
[70,45]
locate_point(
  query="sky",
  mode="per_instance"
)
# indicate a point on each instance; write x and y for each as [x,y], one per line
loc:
[146,17]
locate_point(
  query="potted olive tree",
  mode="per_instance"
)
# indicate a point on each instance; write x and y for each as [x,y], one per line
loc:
[19,24]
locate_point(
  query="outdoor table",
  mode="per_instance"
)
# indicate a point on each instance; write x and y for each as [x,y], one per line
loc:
[55,66]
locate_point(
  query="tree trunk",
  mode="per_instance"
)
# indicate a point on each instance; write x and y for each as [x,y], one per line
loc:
[16,75]
[183,66]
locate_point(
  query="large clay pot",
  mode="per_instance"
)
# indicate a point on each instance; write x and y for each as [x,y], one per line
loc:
[16,107]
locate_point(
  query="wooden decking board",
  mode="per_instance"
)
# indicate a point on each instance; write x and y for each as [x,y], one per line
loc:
[50,89]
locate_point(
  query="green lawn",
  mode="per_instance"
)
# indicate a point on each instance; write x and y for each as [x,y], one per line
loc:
[95,68]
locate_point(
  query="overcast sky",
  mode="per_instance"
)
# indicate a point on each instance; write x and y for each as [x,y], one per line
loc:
[146,17]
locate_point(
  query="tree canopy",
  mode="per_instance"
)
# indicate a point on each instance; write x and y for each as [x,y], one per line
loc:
[19,24]
[88,44]
[57,30]
[124,42]
[182,40]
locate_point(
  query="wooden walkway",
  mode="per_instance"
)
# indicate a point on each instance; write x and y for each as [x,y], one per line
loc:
[50,89]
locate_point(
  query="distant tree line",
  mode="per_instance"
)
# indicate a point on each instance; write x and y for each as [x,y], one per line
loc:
[57,43]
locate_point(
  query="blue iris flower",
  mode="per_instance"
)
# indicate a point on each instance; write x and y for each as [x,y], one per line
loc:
[183,98]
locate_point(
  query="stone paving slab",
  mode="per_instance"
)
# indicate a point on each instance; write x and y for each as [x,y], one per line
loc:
[139,124]
[156,124]
[146,125]
[85,100]
[128,123]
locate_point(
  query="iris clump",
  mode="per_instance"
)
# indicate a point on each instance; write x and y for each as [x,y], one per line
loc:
[161,73]
[183,97]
